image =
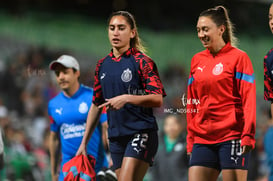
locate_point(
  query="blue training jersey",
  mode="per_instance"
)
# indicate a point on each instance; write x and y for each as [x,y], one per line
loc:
[68,118]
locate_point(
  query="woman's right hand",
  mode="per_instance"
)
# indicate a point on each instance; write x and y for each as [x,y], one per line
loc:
[81,150]
[55,177]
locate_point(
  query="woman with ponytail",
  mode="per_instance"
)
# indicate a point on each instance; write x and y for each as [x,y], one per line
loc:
[128,85]
[222,123]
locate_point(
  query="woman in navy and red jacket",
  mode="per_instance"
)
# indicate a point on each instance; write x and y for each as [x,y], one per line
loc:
[268,96]
[128,84]
[221,105]
[268,66]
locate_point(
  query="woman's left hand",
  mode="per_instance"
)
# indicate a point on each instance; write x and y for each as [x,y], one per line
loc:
[115,103]
[246,149]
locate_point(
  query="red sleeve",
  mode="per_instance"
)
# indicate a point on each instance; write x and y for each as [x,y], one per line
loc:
[247,89]
[268,87]
[98,96]
[190,113]
[150,77]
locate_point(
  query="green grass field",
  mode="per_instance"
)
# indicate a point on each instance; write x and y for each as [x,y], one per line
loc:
[84,35]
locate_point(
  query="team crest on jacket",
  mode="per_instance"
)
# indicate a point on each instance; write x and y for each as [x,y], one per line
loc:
[83,108]
[126,76]
[218,69]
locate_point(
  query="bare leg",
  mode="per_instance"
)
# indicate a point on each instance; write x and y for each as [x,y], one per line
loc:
[117,171]
[200,173]
[234,175]
[132,169]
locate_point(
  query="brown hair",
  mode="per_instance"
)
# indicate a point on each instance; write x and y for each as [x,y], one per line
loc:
[136,41]
[219,15]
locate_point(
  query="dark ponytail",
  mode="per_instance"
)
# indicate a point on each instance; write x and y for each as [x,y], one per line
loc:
[136,41]
[219,15]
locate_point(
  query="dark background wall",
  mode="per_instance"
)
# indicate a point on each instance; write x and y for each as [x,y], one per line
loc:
[156,14]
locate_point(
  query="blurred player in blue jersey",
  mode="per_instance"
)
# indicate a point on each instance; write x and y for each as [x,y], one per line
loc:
[68,113]
[128,84]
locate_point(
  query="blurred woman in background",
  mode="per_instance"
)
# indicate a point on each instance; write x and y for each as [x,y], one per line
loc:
[171,162]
